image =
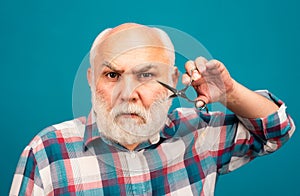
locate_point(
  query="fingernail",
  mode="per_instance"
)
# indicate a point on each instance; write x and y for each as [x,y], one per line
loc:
[196,75]
[200,104]
[185,80]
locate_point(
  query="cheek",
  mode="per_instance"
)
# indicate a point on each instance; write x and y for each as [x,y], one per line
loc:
[150,93]
[105,93]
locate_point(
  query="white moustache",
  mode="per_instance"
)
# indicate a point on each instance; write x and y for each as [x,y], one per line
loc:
[129,109]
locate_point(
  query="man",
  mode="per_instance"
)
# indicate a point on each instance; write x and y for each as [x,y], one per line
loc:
[130,145]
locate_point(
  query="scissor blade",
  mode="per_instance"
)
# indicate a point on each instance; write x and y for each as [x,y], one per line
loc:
[168,87]
[172,96]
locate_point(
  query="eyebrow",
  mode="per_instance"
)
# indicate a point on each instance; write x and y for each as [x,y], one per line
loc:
[144,69]
[112,67]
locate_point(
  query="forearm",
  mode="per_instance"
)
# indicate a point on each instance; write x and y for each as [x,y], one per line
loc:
[248,104]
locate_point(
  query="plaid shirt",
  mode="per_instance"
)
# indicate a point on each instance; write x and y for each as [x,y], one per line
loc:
[73,158]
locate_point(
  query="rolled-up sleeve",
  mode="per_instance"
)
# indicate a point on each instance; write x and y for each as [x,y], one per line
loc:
[260,136]
[273,130]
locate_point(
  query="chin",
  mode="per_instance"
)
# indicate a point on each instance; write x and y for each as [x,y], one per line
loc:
[130,125]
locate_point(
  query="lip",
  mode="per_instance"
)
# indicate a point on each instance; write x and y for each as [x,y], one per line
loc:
[132,116]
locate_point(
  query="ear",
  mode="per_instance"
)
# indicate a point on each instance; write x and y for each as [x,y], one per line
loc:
[175,77]
[89,76]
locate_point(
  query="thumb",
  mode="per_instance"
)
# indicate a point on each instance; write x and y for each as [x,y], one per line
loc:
[201,102]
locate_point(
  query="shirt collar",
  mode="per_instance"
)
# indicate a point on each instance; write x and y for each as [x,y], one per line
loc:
[91,130]
[92,133]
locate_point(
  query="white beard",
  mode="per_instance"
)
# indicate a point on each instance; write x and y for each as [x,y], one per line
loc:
[145,124]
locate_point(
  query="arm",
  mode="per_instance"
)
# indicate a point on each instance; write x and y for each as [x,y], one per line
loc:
[249,138]
[260,124]
[246,103]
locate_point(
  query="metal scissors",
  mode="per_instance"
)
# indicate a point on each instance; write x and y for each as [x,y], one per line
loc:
[181,93]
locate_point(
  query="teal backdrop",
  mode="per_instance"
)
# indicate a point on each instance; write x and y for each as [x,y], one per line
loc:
[42,44]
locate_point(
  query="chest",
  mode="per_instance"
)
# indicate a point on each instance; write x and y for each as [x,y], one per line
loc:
[171,168]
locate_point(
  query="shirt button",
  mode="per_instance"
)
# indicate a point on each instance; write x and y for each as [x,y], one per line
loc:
[133,155]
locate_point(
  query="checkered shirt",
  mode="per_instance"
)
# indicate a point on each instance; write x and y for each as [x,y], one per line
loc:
[194,148]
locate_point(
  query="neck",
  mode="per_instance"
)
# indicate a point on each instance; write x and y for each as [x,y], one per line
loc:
[131,147]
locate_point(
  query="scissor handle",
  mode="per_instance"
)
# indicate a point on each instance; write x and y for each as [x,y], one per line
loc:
[204,105]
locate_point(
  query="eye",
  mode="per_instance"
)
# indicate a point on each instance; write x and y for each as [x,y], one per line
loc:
[113,76]
[145,75]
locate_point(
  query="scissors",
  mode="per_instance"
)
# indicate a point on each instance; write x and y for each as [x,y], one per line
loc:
[181,93]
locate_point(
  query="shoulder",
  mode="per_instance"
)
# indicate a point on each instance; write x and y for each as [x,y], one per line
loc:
[67,132]
[184,121]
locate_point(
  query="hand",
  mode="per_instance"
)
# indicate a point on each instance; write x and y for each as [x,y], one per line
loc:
[211,80]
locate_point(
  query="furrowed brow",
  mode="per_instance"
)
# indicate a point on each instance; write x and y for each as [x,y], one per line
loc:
[112,67]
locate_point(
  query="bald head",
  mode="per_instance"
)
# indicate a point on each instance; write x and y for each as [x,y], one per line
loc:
[124,38]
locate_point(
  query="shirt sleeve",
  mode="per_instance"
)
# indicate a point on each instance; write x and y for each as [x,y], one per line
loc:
[27,180]
[251,138]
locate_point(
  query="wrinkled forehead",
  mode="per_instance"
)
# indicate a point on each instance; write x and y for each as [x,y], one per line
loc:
[138,45]
[149,67]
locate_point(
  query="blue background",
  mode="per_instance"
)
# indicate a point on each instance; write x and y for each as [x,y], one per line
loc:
[43,42]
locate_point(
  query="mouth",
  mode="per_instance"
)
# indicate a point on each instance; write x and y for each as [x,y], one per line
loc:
[132,116]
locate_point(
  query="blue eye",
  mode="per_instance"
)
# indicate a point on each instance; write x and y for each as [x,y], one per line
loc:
[145,75]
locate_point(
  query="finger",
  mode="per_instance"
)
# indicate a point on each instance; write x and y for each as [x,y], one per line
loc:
[191,70]
[213,64]
[201,101]
[214,67]
[202,90]
[200,63]
[199,82]
[189,66]
[186,79]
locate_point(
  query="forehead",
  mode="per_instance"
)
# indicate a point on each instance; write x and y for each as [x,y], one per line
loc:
[135,58]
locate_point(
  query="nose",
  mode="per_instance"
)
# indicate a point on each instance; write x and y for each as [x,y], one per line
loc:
[128,90]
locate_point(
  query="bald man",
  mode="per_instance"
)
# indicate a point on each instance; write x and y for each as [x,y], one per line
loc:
[130,145]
